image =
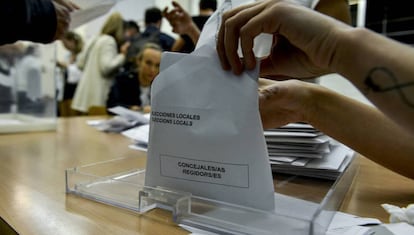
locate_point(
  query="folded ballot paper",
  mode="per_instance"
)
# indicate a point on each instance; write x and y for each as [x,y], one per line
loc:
[206,135]
[89,10]
[300,149]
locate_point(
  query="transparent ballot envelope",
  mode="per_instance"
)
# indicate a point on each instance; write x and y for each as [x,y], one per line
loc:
[302,205]
[27,87]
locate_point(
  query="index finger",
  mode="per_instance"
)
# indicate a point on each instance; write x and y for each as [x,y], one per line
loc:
[177,5]
[220,48]
[229,34]
[223,44]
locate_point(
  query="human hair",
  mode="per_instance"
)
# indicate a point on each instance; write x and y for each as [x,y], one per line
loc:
[114,26]
[131,24]
[77,39]
[208,4]
[152,15]
[148,45]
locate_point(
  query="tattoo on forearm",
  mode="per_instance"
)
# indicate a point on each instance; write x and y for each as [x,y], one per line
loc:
[381,79]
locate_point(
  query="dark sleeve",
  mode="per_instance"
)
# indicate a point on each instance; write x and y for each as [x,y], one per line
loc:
[31,20]
[166,41]
[188,46]
[124,91]
[113,96]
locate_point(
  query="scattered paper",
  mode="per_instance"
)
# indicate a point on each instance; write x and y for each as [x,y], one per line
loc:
[124,119]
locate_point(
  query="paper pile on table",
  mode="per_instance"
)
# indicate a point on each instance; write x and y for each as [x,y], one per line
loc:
[124,119]
[139,136]
[300,149]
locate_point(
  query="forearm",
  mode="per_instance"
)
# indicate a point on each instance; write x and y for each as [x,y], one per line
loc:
[194,33]
[178,44]
[363,128]
[382,69]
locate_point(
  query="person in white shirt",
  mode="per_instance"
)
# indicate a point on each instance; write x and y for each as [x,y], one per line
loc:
[99,63]
[69,72]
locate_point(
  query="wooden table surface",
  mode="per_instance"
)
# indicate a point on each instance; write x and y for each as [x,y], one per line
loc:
[374,185]
[33,198]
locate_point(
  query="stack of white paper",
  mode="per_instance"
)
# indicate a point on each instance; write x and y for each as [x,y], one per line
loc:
[124,119]
[139,136]
[300,149]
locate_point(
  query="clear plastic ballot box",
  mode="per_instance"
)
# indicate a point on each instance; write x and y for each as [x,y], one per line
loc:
[27,87]
[302,205]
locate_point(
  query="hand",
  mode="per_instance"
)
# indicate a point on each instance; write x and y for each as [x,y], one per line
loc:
[303,45]
[63,9]
[124,47]
[284,102]
[146,109]
[181,22]
[135,108]
[61,64]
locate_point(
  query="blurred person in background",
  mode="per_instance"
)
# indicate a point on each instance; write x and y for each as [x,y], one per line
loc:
[153,19]
[132,34]
[131,30]
[99,62]
[186,43]
[134,92]
[69,71]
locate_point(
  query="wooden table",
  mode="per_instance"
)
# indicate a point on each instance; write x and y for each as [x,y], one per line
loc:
[32,193]
[375,185]
[33,198]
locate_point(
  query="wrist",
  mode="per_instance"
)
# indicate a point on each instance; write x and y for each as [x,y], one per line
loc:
[313,103]
[193,32]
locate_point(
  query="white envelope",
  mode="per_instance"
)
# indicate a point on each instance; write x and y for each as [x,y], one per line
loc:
[206,135]
[262,42]
[90,10]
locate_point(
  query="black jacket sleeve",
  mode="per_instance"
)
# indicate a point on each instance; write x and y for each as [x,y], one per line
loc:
[31,20]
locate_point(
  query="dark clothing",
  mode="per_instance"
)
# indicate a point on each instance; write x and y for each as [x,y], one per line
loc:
[189,46]
[133,49]
[6,99]
[166,42]
[32,20]
[125,91]
[68,88]
[69,91]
